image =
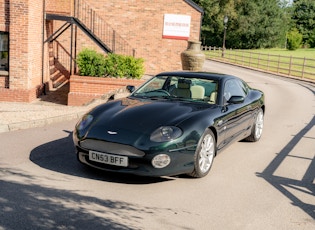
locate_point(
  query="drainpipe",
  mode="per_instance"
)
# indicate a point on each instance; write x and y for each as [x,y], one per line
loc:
[71,49]
[43,47]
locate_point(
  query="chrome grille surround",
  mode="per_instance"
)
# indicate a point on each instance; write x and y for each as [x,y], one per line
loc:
[110,147]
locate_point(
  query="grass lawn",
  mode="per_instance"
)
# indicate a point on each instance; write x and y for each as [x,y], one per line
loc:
[299,53]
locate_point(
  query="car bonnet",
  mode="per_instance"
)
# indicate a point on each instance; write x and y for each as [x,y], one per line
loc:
[130,118]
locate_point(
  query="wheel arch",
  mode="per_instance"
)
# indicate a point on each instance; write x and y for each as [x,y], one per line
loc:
[215,133]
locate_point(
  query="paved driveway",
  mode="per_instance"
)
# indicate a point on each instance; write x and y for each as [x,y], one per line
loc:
[264,185]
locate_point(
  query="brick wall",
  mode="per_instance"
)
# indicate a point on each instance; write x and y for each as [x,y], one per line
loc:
[18,95]
[4,15]
[84,89]
[35,43]
[4,26]
[64,7]
[19,11]
[141,24]
[25,55]
[4,81]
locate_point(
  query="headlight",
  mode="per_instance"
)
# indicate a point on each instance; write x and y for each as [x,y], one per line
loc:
[85,122]
[161,161]
[166,133]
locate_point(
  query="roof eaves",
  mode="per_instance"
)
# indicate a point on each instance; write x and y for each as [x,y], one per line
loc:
[194,5]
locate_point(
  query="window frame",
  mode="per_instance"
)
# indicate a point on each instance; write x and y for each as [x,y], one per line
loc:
[4,51]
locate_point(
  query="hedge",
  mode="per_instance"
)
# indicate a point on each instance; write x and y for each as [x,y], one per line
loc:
[92,63]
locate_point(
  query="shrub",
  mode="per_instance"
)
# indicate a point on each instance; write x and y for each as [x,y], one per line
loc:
[294,39]
[91,63]
[135,67]
[117,65]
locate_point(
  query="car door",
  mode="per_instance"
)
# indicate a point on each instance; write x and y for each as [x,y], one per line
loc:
[238,114]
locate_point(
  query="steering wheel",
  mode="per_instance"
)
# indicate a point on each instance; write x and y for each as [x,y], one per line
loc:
[163,91]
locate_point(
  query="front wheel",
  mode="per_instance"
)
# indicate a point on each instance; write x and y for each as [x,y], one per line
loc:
[204,155]
[257,127]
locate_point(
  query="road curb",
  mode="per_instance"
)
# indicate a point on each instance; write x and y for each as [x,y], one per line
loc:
[38,123]
[4,128]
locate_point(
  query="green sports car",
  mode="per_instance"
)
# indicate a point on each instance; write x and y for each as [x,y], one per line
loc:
[173,124]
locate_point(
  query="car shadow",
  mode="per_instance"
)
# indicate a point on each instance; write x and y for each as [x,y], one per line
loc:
[59,156]
[294,189]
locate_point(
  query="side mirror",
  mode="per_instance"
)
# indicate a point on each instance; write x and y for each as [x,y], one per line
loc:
[131,88]
[236,100]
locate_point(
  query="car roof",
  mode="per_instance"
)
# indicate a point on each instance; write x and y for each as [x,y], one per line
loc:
[204,75]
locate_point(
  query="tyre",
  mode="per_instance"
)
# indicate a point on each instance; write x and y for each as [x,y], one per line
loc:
[204,155]
[257,128]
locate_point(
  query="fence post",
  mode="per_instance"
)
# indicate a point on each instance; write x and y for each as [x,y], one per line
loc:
[243,57]
[290,66]
[303,69]
[278,64]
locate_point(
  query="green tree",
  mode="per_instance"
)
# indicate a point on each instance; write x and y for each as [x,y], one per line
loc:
[260,24]
[252,23]
[294,39]
[304,19]
[212,24]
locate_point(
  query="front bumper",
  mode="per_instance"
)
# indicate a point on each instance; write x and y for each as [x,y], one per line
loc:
[139,161]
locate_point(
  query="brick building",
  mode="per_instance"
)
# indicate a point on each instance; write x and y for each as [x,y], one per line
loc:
[40,38]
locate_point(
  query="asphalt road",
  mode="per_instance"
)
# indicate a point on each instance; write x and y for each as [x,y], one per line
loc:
[264,185]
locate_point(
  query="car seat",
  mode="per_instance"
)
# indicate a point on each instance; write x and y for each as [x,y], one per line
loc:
[197,92]
[183,89]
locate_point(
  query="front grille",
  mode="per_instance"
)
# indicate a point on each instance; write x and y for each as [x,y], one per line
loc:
[113,148]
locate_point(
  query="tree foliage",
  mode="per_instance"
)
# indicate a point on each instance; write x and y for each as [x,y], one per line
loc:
[212,26]
[294,39]
[304,20]
[260,24]
[252,23]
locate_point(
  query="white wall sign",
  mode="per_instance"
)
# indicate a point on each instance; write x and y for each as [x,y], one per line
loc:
[176,26]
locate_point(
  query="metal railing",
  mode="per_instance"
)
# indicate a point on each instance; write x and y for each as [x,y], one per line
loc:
[98,26]
[284,65]
[62,56]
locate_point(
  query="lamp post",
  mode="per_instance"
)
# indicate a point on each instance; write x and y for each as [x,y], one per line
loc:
[225,21]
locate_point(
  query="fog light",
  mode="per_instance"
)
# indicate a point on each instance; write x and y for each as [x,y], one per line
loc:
[161,161]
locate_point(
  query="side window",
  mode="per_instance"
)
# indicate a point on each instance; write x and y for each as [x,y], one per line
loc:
[233,88]
[4,51]
[244,86]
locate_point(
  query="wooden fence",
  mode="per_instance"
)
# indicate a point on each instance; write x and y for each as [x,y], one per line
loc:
[284,65]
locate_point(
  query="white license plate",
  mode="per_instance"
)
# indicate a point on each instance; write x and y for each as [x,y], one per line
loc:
[108,159]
